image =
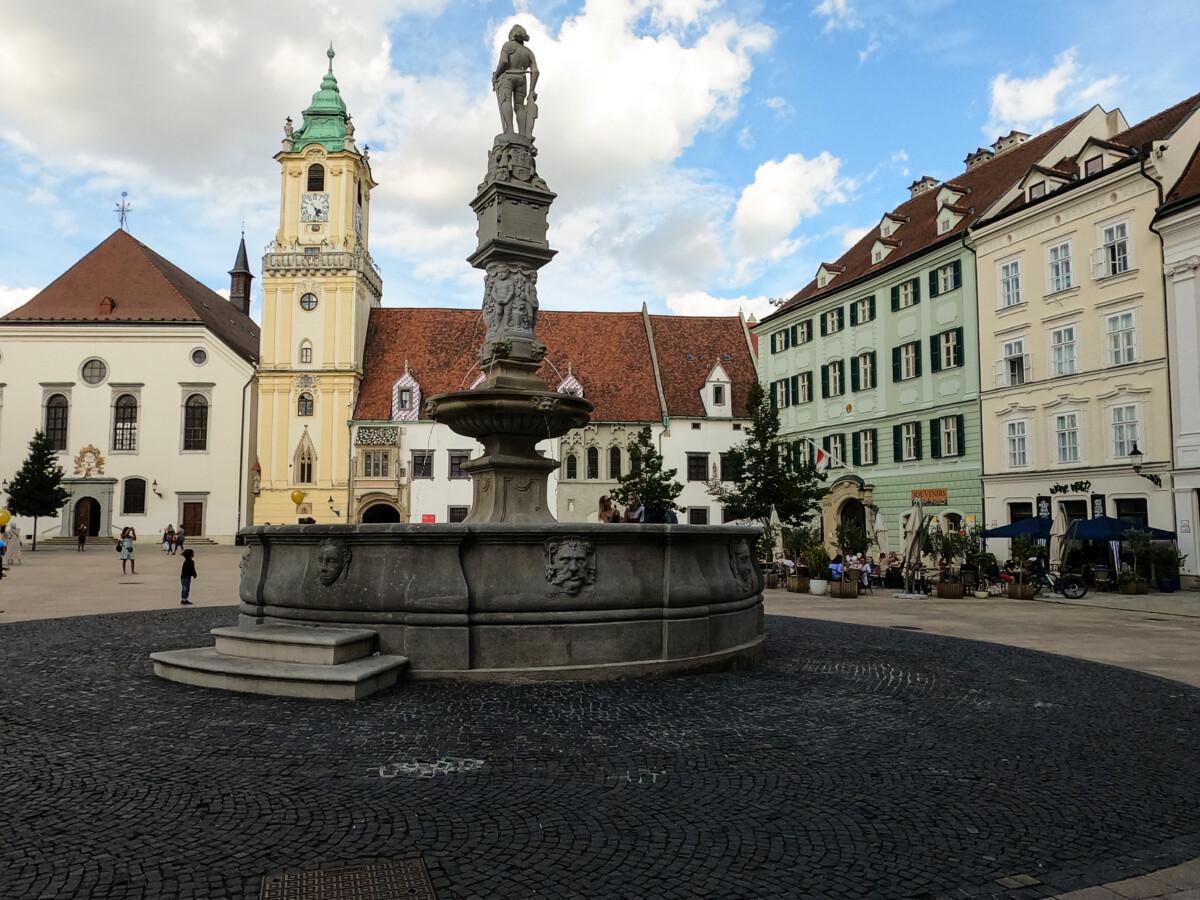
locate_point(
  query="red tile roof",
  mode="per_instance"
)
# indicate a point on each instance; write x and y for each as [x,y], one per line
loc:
[123,280]
[1159,126]
[1188,186]
[984,183]
[608,352]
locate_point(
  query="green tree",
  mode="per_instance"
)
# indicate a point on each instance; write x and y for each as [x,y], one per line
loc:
[852,537]
[655,486]
[36,490]
[764,478]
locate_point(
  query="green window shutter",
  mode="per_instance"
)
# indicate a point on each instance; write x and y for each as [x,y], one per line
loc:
[809,321]
[856,449]
[917,354]
[935,440]
[854,313]
[825,441]
[871,305]
[795,389]
[961,427]
[897,444]
[854,373]
[895,364]
[920,447]
[874,444]
[841,317]
[895,297]
[874,370]
[933,282]
[916,283]
[824,322]
[792,335]
[825,381]
[960,355]
[935,353]
[957,273]
[774,395]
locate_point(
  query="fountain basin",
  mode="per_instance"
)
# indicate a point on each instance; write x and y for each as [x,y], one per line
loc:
[518,602]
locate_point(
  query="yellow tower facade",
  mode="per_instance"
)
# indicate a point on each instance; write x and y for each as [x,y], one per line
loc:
[319,286]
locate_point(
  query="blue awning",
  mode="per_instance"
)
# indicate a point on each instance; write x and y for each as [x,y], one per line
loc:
[1106,528]
[1035,527]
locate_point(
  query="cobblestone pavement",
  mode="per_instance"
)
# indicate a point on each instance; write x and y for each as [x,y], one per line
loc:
[860,762]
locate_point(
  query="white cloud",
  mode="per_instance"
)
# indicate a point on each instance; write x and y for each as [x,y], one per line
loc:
[852,234]
[1099,91]
[784,192]
[12,297]
[698,303]
[745,138]
[838,14]
[780,106]
[1033,104]
[871,48]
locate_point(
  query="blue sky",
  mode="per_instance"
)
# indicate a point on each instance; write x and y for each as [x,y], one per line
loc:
[707,155]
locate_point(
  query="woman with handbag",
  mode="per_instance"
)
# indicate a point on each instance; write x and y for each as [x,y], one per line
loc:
[125,548]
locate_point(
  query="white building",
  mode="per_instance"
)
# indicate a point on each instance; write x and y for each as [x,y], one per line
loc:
[143,378]
[685,378]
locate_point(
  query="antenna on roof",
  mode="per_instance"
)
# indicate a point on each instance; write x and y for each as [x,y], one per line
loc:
[123,209]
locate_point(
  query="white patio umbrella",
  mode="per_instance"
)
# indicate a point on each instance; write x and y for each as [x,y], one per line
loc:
[1058,536]
[914,533]
[881,535]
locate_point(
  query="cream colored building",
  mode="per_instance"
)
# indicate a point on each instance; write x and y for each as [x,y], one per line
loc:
[1073,337]
[319,285]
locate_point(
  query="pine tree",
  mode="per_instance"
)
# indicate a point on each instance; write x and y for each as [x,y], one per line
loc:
[766,479]
[655,486]
[36,490]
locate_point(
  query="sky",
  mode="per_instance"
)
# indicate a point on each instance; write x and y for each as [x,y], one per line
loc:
[708,155]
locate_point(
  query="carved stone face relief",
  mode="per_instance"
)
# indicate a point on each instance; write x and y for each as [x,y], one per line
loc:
[741,563]
[570,564]
[333,559]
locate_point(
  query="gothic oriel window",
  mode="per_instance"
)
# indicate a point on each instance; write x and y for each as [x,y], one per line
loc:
[614,463]
[593,462]
[572,467]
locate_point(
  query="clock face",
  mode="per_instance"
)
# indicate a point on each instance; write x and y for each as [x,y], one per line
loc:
[314,208]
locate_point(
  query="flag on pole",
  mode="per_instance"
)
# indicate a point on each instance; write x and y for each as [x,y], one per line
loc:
[821,460]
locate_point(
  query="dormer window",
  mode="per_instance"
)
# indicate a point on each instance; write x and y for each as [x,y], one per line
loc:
[718,395]
[1037,190]
[406,398]
[1093,166]
[876,256]
[821,281]
[944,224]
[572,385]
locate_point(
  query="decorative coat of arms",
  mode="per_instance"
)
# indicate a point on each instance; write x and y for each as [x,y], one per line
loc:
[89,462]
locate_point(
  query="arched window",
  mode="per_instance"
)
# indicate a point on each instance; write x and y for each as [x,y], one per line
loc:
[195,423]
[133,497]
[125,423]
[305,352]
[304,404]
[572,467]
[593,462]
[57,410]
[305,463]
[316,177]
[614,463]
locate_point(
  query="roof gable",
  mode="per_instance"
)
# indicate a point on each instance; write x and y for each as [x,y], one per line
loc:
[687,347]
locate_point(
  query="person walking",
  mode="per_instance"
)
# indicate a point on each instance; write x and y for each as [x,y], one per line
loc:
[186,575]
[125,545]
[179,539]
[81,531]
[168,540]
[15,545]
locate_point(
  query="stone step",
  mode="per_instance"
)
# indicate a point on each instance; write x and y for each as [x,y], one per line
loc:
[295,643]
[205,667]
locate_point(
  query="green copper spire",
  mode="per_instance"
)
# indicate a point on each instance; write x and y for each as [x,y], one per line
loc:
[325,118]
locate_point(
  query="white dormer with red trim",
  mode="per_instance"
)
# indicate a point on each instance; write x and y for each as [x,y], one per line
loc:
[570,384]
[890,224]
[826,272]
[1099,155]
[1040,181]
[881,248]
[406,397]
[716,393]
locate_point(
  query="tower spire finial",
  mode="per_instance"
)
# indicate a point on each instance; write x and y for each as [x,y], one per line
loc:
[330,54]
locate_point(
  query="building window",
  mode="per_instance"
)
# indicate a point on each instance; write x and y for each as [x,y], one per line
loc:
[1010,283]
[404,398]
[94,371]
[1133,510]
[316,177]
[698,515]
[304,404]
[866,371]
[56,421]
[1114,255]
[308,302]
[910,436]
[312,251]
[863,311]
[125,418]
[1020,511]
[614,463]
[457,513]
[781,393]
[697,467]
[727,516]
[375,463]
[1125,429]
[199,356]
[593,463]
[305,353]
[1066,437]
[832,321]
[876,256]
[458,458]
[1062,350]
[804,331]
[727,472]
[779,341]
[305,465]
[572,467]
[803,387]
[947,278]
[949,349]
[718,395]
[948,431]
[836,448]
[1037,190]
[1014,367]
[908,294]
[866,447]
[422,464]
[910,361]
[1060,267]
[1093,165]
[1018,444]
[834,380]
[133,497]
[1121,347]
[195,423]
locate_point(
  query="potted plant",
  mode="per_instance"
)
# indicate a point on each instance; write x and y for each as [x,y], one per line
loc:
[800,541]
[949,546]
[1167,561]
[1024,546]
[984,563]
[1131,580]
[818,570]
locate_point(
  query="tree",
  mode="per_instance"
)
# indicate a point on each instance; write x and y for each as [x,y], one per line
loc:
[852,537]
[36,490]
[655,486]
[764,478]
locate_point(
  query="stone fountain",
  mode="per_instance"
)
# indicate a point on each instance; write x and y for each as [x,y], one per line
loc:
[340,611]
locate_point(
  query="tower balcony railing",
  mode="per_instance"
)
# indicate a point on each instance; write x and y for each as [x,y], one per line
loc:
[318,261]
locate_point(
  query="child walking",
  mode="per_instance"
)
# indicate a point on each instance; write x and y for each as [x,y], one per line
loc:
[186,574]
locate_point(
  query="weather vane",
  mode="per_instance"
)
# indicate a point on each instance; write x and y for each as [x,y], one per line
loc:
[122,210]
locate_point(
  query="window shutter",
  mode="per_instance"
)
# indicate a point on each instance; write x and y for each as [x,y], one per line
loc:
[895,297]
[935,440]
[874,370]
[809,323]
[824,324]
[874,444]
[825,441]
[774,395]
[854,313]
[794,334]
[897,444]
[895,364]
[920,448]
[917,357]
[825,381]
[795,389]
[856,449]
[854,373]
[957,273]
[916,283]
[960,427]
[871,305]
[935,353]
[960,353]
[841,317]
[933,282]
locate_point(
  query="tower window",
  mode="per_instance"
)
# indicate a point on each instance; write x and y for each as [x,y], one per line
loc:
[308,302]
[304,404]
[316,177]
[305,353]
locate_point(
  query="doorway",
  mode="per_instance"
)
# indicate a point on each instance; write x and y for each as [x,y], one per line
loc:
[380,513]
[193,519]
[853,513]
[87,512]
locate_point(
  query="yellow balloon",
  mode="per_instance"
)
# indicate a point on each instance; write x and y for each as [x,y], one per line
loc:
[297,497]
[5,517]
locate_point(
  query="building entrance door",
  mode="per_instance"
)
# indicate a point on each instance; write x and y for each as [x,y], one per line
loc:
[193,519]
[87,512]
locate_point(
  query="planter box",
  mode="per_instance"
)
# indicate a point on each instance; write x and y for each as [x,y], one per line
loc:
[843,589]
[1021,591]
[981,595]
[818,586]
[950,590]
[772,581]
[798,584]
[1167,585]
[1136,588]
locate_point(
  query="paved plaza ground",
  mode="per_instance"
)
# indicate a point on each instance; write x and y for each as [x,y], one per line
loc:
[859,762]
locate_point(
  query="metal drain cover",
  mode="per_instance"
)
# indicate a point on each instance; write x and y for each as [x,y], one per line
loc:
[405,879]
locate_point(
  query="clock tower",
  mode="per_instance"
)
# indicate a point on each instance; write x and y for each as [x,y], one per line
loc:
[319,286]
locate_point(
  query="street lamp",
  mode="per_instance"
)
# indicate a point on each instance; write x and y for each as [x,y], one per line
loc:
[1135,459]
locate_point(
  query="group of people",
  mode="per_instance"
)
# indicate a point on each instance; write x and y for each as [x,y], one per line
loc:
[859,562]
[172,540]
[10,548]
[635,513]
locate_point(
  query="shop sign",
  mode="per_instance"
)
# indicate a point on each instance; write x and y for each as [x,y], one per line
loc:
[931,496]
[1098,506]
[428,518]
[1044,510]
[1075,487]
[1185,526]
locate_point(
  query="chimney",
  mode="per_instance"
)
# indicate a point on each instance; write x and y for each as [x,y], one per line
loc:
[240,277]
[1013,139]
[922,184]
[981,155]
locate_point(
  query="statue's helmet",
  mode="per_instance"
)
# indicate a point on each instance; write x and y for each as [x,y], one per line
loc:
[518,33]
